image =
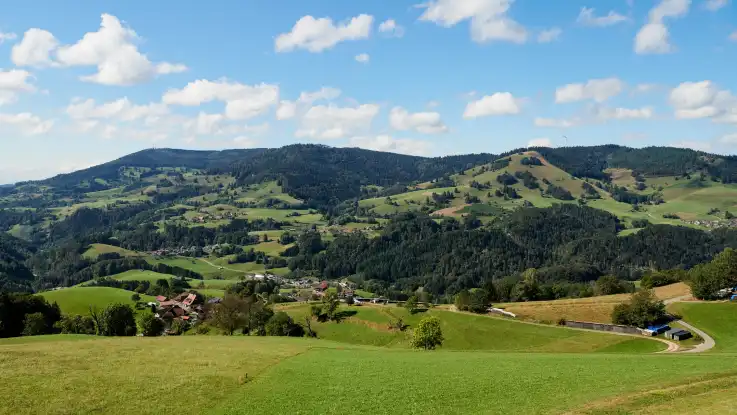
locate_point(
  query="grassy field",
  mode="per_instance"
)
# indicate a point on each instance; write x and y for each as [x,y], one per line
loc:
[141,275]
[369,326]
[597,309]
[97,249]
[76,300]
[246,375]
[718,319]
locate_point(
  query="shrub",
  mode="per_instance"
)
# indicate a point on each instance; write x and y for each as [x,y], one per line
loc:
[280,324]
[136,297]
[115,320]
[397,324]
[178,327]
[642,310]
[76,324]
[34,324]
[428,334]
[149,325]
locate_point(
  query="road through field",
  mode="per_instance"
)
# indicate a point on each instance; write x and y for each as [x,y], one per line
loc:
[219,267]
[708,343]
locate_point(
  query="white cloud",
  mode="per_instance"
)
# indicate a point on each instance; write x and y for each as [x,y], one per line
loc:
[328,122]
[547,36]
[694,145]
[112,50]
[500,103]
[423,122]
[703,100]
[244,142]
[34,49]
[489,19]
[241,101]
[624,113]
[554,122]
[598,90]
[714,5]
[12,82]
[286,110]
[27,123]
[121,109]
[733,36]
[729,139]
[644,88]
[317,35]
[393,145]
[363,58]
[540,142]
[7,36]
[205,124]
[653,37]
[324,93]
[587,17]
[391,28]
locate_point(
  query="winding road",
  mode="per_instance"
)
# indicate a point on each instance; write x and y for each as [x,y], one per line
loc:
[708,343]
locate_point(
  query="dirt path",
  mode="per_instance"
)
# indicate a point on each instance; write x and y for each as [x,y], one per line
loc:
[219,267]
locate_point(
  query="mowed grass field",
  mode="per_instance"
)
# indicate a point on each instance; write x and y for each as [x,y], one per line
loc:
[271,375]
[97,249]
[717,319]
[141,275]
[596,309]
[76,300]
[370,326]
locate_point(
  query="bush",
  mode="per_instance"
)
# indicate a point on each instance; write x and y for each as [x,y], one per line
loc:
[280,324]
[115,320]
[479,301]
[34,325]
[609,284]
[397,324]
[660,278]
[642,310]
[136,297]
[707,279]
[178,327]
[149,325]
[76,324]
[428,334]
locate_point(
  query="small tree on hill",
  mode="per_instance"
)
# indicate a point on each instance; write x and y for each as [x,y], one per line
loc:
[411,304]
[330,304]
[479,301]
[280,324]
[116,320]
[149,325]
[461,301]
[428,334]
[707,279]
[230,314]
[643,309]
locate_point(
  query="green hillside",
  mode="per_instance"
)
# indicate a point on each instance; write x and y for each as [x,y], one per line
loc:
[77,300]
[98,249]
[370,326]
[277,375]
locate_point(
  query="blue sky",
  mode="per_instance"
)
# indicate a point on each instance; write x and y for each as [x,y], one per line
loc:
[85,82]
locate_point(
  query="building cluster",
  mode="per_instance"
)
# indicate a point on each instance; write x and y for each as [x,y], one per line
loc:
[183,307]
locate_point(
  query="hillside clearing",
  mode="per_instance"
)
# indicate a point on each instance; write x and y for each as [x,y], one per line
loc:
[77,300]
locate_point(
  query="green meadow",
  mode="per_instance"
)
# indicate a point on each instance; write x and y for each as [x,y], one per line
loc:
[77,300]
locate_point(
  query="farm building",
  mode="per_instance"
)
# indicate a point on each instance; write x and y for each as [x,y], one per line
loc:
[678,334]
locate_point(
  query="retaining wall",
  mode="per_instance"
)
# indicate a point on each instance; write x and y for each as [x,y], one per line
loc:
[603,327]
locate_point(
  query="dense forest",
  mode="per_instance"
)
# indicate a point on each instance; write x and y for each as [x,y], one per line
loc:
[14,274]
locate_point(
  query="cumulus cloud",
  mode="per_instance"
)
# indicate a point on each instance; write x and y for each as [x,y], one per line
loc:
[714,5]
[703,99]
[393,145]
[121,109]
[390,28]
[624,113]
[290,109]
[587,17]
[489,18]
[598,90]
[12,82]
[422,122]
[363,58]
[500,103]
[555,122]
[111,49]
[27,123]
[550,35]
[241,101]
[654,37]
[7,36]
[317,35]
[540,142]
[34,49]
[329,122]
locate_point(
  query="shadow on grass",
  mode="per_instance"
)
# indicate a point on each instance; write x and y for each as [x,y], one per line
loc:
[342,315]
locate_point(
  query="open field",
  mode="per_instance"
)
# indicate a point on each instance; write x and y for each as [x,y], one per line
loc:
[138,275]
[76,300]
[596,309]
[269,375]
[462,331]
[97,249]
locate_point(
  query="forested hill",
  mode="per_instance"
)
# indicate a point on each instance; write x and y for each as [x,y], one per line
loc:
[14,275]
[155,158]
[327,175]
[652,161]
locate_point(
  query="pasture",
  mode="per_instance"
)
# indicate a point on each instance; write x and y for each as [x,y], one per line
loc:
[98,249]
[717,319]
[77,300]
[271,375]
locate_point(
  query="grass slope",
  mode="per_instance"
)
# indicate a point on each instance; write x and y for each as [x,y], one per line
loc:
[246,375]
[76,300]
[718,319]
[462,331]
[138,275]
[97,249]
